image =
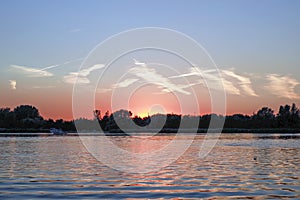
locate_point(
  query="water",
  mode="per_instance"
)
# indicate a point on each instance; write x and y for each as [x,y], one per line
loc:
[240,166]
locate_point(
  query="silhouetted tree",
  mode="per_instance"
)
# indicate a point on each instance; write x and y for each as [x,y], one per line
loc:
[264,118]
[265,113]
[7,118]
[237,121]
[27,111]
[284,116]
[157,121]
[295,116]
[97,114]
[119,118]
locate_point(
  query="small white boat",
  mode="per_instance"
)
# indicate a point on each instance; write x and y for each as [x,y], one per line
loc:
[57,131]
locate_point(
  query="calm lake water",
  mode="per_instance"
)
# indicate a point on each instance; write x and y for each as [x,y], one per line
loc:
[239,166]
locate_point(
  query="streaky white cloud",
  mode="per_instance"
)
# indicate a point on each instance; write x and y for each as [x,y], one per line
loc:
[103,90]
[80,77]
[282,86]
[136,62]
[61,64]
[195,72]
[125,83]
[13,84]
[230,87]
[151,76]
[229,80]
[243,81]
[87,71]
[73,78]
[211,79]
[32,72]
[36,73]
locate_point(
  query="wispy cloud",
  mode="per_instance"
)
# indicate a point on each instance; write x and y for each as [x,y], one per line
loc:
[139,63]
[32,72]
[73,78]
[61,64]
[232,82]
[146,74]
[212,79]
[151,76]
[103,90]
[243,82]
[44,72]
[13,84]
[87,71]
[125,83]
[282,86]
[80,77]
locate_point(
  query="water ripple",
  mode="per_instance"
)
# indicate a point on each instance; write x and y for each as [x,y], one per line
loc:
[60,167]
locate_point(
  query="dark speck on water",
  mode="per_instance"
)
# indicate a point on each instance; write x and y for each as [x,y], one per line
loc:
[61,167]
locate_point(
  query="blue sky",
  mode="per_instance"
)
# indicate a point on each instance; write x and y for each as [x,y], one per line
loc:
[256,38]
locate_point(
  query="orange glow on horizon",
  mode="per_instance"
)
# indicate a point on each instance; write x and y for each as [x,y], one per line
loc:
[57,104]
[142,105]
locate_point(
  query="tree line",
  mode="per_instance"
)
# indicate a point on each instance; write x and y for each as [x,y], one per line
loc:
[28,117]
[288,117]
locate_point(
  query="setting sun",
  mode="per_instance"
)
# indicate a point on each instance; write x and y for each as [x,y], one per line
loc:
[154,109]
[143,114]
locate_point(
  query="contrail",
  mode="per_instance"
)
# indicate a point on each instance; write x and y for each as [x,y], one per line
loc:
[35,72]
[57,65]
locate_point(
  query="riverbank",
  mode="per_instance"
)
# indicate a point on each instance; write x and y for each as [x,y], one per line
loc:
[118,132]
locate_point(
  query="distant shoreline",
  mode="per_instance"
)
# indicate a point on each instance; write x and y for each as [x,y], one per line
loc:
[46,132]
[26,119]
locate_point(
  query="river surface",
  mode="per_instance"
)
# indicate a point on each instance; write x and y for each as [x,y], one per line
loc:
[257,166]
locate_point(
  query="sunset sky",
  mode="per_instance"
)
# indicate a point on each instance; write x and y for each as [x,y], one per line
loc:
[255,45]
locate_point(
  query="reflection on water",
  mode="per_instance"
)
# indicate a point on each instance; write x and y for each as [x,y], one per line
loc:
[262,166]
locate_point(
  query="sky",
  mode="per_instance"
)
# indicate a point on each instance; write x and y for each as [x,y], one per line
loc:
[254,44]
